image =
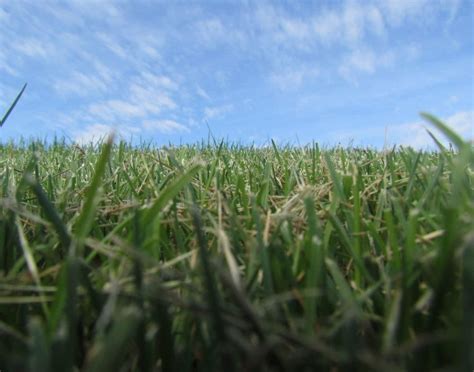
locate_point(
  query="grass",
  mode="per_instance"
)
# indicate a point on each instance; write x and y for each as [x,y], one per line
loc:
[205,257]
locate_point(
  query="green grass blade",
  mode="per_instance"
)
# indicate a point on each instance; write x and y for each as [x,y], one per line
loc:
[446,130]
[438,142]
[30,262]
[262,251]
[348,244]
[109,351]
[12,106]
[50,211]
[344,290]
[335,177]
[209,280]
[315,272]
[86,218]
[392,322]
[468,303]
[40,352]
[169,193]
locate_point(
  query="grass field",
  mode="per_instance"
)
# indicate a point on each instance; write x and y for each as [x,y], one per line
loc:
[224,257]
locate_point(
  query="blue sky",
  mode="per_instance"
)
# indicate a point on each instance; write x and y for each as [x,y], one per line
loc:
[330,71]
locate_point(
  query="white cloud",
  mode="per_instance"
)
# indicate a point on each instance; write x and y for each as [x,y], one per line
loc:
[292,78]
[294,28]
[375,20]
[353,22]
[93,133]
[414,134]
[349,25]
[6,66]
[113,45]
[147,95]
[150,100]
[462,123]
[3,16]
[80,84]
[453,8]
[356,137]
[165,126]
[214,32]
[202,93]
[364,60]
[453,99]
[151,92]
[411,134]
[217,111]
[32,47]
[103,71]
[157,81]
[211,30]
[328,27]
[272,29]
[345,25]
[100,132]
[106,10]
[397,11]
[116,109]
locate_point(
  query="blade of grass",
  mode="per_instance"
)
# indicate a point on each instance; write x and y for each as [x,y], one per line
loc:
[468,303]
[315,272]
[86,218]
[39,355]
[31,263]
[335,177]
[109,351]
[210,284]
[12,106]
[169,193]
[446,130]
[50,212]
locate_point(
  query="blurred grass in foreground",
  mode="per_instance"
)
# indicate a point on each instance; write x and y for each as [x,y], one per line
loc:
[212,257]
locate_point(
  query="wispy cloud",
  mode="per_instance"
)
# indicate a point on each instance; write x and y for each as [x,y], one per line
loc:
[291,78]
[151,100]
[116,109]
[3,15]
[202,93]
[397,11]
[80,84]
[364,60]
[113,44]
[165,126]
[99,132]
[411,134]
[158,81]
[147,95]
[217,112]
[6,66]
[33,47]
[213,32]
[346,24]
[414,134]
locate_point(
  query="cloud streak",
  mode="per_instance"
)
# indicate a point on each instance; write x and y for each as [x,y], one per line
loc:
[217,112]
[165,126]
[414,134]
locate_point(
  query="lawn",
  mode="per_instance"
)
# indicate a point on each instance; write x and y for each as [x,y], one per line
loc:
[221,256]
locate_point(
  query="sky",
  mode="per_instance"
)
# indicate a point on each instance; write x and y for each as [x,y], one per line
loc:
[356,73]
